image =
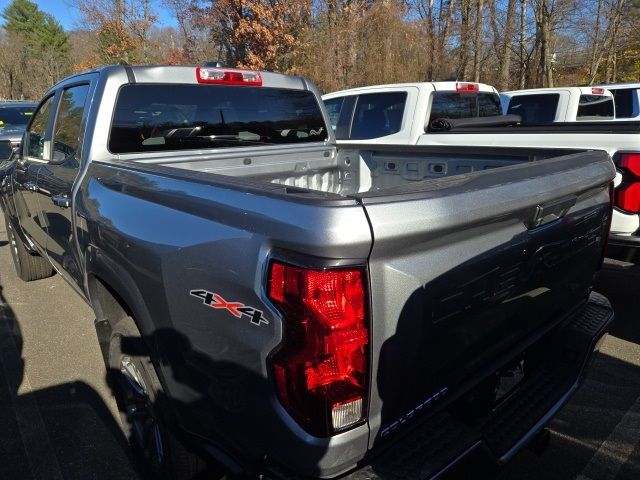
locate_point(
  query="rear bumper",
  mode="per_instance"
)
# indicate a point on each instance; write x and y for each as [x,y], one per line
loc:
[442,441]
[623,247]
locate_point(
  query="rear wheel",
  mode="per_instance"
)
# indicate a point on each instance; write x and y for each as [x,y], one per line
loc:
[28,266]
[140,397]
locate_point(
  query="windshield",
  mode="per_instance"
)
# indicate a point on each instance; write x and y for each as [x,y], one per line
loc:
[179,117]
[15,116]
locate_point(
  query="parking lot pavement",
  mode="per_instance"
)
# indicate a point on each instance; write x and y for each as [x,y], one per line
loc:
[58,417]
[597,435]
[57,414]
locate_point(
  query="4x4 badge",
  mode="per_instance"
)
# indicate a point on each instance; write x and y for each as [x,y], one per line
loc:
[237,309]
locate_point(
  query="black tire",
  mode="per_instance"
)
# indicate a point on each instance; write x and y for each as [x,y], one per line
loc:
[28,266]
[160,454]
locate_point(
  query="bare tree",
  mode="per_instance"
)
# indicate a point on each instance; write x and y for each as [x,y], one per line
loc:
[477,41]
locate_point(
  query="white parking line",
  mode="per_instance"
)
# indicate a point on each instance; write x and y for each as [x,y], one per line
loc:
[616,449]
[43,462]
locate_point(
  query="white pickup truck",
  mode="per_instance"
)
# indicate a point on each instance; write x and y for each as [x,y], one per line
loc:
[621,140]
[562,104]
[403,114]
[400,113]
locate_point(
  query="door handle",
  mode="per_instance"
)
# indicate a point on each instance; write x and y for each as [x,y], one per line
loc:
[62,201]
[31,187]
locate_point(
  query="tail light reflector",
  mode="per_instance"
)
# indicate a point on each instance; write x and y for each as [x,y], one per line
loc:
[467,87]
[597,91]
[321,370]
[228,76]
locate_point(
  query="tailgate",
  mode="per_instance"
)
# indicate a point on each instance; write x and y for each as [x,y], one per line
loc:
[468,270]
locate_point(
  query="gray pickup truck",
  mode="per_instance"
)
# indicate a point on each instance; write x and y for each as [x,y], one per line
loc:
[286,308]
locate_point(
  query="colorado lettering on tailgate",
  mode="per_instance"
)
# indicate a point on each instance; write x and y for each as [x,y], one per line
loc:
[237,309]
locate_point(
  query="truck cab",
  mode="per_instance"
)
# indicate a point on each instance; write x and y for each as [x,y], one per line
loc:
[400,113]
[566,104]
[626,97]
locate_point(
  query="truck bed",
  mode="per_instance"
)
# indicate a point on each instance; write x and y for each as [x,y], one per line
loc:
[362,170]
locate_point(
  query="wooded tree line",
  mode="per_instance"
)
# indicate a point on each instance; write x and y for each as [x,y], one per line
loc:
[336,43]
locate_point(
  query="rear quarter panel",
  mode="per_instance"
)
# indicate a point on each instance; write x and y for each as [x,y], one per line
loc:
[162,237]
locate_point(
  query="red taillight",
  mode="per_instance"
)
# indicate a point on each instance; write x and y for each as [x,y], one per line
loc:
[228,76]
[630,162]
[467,87]
[597,91]
[321,370]
[627,196]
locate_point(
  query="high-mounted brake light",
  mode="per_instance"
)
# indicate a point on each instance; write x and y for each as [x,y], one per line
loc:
[597,91]
[467,87]
[627,196]
[321,370]
[228,76]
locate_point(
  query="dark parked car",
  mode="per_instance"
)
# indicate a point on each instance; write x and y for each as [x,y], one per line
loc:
[14,117]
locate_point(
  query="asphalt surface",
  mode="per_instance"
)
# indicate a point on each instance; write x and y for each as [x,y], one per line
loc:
[57,414]
[58,419]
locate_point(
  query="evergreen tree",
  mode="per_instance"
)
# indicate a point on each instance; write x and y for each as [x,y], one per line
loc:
[41,30]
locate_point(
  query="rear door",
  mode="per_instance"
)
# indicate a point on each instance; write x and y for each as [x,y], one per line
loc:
[57,177]
[35,153]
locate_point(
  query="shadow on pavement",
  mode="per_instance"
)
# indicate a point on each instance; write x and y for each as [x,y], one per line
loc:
[620,283]
[60,432]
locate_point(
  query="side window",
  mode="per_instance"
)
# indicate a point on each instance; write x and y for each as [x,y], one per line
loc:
[37,144]
[334,106]
[66,137]
[378,115]
[624,99]
[535,108]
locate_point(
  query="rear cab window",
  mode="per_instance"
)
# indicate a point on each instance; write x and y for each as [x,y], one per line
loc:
[378,115]
[595,107]
[464,105]
[158,117]
[534,108]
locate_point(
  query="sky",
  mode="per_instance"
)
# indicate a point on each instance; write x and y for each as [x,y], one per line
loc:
[70,19]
